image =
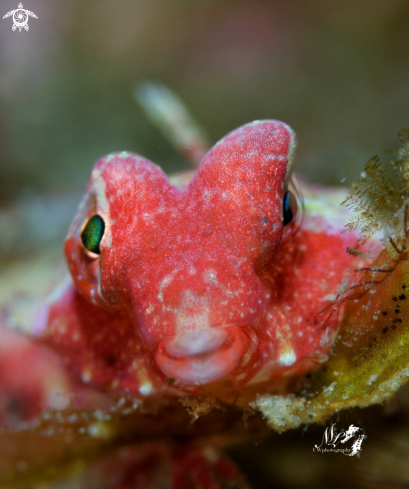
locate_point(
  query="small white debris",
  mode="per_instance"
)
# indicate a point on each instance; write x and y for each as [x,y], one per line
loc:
[372,379]
[121,402]
[86,376]
[287,358]
[99,430]
[330,388]
[279,411]
[325,339]
[146,388]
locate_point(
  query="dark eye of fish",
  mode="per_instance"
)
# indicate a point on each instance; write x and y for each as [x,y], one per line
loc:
[289,208]
[92,234]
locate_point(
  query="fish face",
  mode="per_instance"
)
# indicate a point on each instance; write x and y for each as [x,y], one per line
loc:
[188,266]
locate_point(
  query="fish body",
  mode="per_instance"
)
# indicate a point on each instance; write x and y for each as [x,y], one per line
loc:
[206,287]
[201,281]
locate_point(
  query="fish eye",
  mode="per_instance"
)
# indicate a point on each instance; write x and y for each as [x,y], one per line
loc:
[289,207]
[92,234]
[293,208]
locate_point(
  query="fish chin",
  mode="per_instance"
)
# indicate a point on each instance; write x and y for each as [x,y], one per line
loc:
[201,356]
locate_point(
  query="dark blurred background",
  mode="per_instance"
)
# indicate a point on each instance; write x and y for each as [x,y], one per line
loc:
[337,72]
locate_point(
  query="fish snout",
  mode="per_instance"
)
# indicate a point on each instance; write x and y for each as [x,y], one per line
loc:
[199,356]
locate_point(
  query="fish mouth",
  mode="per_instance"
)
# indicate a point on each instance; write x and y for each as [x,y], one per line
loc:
[199,356]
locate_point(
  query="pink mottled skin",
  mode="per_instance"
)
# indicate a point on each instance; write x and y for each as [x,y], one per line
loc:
[25,387]
[197,287]
[200,283]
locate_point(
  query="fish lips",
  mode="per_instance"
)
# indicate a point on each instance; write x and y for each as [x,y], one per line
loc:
[200,356]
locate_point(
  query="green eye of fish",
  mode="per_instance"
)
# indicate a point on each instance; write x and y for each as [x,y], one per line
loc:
[289,208]
[92,234]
